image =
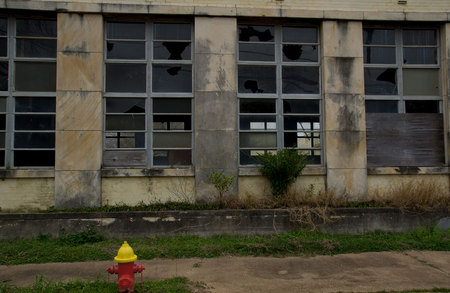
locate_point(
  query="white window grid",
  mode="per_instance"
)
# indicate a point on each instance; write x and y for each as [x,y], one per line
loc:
[279,97]
[149,95]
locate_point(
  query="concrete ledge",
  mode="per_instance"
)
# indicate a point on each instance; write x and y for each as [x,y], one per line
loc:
[29,173]
[410,170]
[206,223]
[311,170]
[142,172]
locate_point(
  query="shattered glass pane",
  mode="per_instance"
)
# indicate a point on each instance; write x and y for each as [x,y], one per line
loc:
[172,78]
[172,50]
[300,53]
[379,81]
[256,33]
[257,79]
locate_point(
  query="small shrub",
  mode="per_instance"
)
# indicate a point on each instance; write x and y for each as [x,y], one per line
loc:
[90,235]
[221,182]
[281,169]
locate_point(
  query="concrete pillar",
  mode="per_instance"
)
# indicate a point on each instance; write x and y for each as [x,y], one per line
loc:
[78,149]
[215,107]
[445,63]
[344,110]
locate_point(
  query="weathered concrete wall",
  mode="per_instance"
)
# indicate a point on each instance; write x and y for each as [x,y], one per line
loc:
[344,110]
[206,223]
[26,193]
[78,146]
[414,10]
[445,63]
[215,109]
[135,190]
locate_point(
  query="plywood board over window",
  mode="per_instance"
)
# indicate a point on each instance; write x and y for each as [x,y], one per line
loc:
[403,97]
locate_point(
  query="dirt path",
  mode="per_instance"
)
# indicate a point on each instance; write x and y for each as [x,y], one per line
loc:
[363,272]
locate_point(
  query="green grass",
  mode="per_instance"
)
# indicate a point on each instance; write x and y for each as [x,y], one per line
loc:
[90,246]
[173,285]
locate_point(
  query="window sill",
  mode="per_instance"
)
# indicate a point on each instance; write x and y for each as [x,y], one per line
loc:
[27,173]
[308,171]
[410,170]
[143,172]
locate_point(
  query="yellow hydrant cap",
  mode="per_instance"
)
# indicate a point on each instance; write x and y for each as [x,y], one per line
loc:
[125,254]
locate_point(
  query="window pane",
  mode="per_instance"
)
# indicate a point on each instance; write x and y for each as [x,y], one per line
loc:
[35,104]
[34,158]
[2,140]
[172,31]
[257,106]
[3,27]
[125,122]
[171,105]
[301,80]
[380,81]
[172,157]
[305,123]
[258,140]
[35,76]
[300,53]
[250,157]
[419,56]
[2,104]
[313,156]
[172,50]
[2,158]
[34,140]
[256,33]
[257,123]
[379,55]
[172,122]
[36,28]
[124,30]
[419,37]
[125,50]
[300,34]
[256,52]
[2,121]
[36,48]
[172,78]
[422,106]
[3,76]
[34,122]
[125,140]
[3,47]
[378,37]
[301,106]
[301,140]
[257,79]
[120,105]
[129,78]
[421,82]
[172,140]
[381,106]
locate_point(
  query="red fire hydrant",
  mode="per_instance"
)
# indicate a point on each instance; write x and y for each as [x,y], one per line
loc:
[125,268]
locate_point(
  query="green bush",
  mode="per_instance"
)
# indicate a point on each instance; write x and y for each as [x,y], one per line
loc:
[221,182]
[281,169]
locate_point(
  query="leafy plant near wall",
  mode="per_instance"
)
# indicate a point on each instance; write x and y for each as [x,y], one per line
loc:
[221,182]
[281,169]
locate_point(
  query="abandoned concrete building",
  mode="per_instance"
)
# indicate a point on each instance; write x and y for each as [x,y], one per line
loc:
[120,102]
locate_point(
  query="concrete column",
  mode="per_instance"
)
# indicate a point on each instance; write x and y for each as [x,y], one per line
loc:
[78,153]
[215,107]
[344,110]
[445,63]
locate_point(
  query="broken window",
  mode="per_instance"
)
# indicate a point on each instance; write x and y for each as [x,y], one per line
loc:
[148,98]
[27,92]
[279,90]
[403,97]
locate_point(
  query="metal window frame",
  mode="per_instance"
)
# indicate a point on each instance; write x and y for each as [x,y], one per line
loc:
[149,95]
[279,96]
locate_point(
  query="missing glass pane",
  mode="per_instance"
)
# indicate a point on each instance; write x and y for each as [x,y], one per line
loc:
[256,33]
[172,122]
[125,140]
[35,76]
[121,105]
[380,81]
[257,79]
[129,78]
[422,106]
[300,80]
[172,50]
[301,140]
[172,158]
[258,140]
[257,106]
[256,52]
[2,158]
[36,104]
[34,158]
[301,106]
[421,82]
[125,30]
[34,122]
[172,78]
[381,106]
[125,50]
[2,121]
[257,122]
[306,123]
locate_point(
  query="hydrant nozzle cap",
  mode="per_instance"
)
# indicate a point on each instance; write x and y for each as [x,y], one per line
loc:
[125,254]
